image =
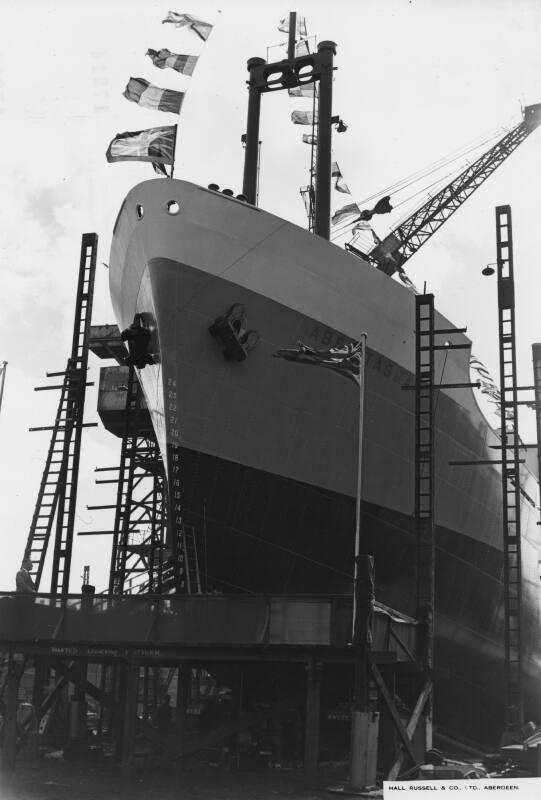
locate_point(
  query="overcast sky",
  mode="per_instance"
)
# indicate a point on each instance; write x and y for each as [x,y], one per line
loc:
[416,79]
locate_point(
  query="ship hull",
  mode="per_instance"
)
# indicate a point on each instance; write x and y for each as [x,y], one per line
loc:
[262,453]
[261,533]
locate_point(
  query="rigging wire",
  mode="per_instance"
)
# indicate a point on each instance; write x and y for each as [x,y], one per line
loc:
[439,163]
[424,190]
[343,229]
[417,176]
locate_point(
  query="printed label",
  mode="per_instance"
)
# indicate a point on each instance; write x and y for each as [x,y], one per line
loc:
[523,788]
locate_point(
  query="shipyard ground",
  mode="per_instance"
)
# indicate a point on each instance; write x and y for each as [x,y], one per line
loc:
[61,780]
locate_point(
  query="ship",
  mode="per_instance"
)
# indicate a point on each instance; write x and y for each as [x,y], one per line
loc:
[267,449]
[261,453]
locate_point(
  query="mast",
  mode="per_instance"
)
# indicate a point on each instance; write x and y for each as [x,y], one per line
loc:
[249,184]
[292,35]
[324,136]
[291,72]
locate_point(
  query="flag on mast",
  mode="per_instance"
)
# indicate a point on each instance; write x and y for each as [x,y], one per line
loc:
[145,94]
[154,144]
[407,282]
[302,48]
[383,206]
[364,226]
[343,213]
[364,238]
[165,58]
[202,29]
[300,27]
[306,90]
[303,117]
[346,361]
[488,387]
[339,184]
[160,169]
[486,383]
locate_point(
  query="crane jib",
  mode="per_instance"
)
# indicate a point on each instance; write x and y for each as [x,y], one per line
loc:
[404,241]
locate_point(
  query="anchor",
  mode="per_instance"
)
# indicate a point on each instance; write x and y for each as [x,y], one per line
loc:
[231,329]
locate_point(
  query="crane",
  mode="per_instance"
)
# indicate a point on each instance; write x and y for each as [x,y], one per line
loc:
[398,246]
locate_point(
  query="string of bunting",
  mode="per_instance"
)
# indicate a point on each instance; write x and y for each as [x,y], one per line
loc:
[300,28]
[303,117]
[361,227]
[307,117]
[157,145]
[486,382]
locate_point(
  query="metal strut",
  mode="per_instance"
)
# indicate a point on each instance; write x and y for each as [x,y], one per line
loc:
[153,550]
[536,358]
[510,469]
[299,71]
[424,473]
[425,349]
[308,193]
[57,494]
[138,535]
[191,560]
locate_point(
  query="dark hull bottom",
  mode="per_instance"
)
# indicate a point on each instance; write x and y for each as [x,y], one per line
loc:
[258,532]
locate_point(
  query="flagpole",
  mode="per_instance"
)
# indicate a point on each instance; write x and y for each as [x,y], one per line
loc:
[291,35]
[4,368]
[360,438]
[174,152]
[364,722]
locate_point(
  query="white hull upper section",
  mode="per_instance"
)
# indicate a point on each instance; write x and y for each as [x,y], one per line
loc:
[252,248]
[185,269]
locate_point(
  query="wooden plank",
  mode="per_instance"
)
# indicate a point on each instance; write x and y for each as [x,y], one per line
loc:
[411,727]
[75,677]
[389,702]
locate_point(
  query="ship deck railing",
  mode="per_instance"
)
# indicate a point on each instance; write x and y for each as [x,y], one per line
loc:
[172,627]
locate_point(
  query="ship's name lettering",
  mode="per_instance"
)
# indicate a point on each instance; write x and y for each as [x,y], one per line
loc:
[374,361]
[146,652]
[327,337]
[64,651]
